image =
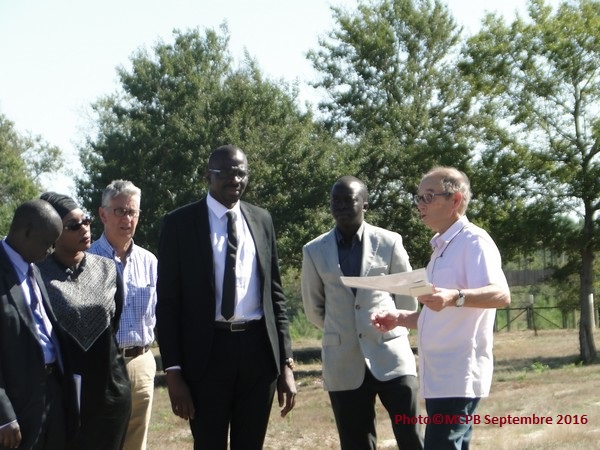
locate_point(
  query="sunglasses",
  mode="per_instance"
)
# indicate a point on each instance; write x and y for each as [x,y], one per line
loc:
[86,221]
[226,174]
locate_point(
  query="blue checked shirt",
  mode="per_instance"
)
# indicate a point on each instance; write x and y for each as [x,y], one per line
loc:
[139,274]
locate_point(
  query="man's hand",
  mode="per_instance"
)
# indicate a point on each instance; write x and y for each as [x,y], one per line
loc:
[385,321]
[440,299]
[10,435]
[179,393]
[286,390]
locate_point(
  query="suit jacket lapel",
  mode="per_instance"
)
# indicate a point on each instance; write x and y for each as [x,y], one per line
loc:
[260,245]
[16,294]
[329,250]
[202,231]
[371,244]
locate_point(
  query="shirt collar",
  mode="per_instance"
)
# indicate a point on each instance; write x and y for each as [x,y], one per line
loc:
[440,240]
[218,209]
[109,249]
[339,238]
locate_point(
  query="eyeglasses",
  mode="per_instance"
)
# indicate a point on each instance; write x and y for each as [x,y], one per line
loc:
[428,197]
[86,221]
[230,173]
[122,212]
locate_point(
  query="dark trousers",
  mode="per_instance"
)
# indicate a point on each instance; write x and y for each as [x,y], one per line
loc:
[449,435]
[53,433]
[354,412]
[236,393]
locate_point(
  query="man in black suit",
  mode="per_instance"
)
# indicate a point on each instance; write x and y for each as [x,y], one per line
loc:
[223,367]
[37,395]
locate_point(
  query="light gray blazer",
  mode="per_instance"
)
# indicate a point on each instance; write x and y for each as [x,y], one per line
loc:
[350,342]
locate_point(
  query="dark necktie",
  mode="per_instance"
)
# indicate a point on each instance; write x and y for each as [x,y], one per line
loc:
[42,322]
[229,279]
[33,294]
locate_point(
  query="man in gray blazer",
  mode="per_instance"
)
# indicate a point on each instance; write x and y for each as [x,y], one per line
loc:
[358,362]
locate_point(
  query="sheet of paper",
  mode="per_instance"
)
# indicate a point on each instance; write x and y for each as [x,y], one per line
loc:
[413,283]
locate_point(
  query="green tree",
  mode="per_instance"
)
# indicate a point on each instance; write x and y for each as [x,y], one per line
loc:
[185,99]
[538,89]
[395,94]
[23,161]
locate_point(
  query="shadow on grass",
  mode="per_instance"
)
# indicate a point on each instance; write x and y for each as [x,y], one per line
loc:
[553,362]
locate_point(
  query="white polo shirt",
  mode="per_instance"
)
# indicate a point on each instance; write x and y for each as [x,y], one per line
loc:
[455,344]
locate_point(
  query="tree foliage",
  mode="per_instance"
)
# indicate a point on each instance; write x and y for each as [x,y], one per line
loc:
[24,160]
[183,100]
[394,92]
[538,89]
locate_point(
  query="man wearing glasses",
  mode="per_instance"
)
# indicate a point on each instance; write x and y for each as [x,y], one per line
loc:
[138,267]
[222,324]
[456,322]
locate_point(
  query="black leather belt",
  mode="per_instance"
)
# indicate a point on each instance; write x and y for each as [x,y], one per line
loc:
[134,352]
[51,368]
[237,326]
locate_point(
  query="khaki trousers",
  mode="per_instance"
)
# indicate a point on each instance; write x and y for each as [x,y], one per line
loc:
[141,370]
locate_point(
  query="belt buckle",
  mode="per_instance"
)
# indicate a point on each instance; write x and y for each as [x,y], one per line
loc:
[235,327]
[134,351]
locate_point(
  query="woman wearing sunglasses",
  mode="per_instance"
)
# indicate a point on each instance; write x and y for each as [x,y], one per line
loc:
[86,296]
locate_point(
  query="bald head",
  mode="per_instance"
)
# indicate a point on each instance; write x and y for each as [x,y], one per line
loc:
[348,181]
[35,227]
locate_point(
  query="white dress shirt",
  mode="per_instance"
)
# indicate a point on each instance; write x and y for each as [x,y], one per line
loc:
[248,304]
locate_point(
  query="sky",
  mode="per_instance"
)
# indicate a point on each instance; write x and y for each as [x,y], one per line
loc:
[57,57]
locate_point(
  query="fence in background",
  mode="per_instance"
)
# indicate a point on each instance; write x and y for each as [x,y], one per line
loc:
[536,317]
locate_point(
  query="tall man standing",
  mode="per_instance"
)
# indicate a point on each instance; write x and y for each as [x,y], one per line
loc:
[222,323]
[456,323]
[120,212]
[38,407]
[359,363]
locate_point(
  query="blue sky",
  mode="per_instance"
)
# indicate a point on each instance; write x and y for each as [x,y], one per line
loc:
[59,56]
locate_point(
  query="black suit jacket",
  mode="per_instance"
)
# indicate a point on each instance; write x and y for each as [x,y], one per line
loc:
[22,372]
[185,311]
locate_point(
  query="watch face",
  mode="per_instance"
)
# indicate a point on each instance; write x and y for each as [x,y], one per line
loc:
[460,301]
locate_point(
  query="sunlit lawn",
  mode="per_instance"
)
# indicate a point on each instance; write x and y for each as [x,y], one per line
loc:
[535,376]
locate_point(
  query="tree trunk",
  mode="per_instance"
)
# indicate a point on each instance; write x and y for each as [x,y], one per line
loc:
[587,346]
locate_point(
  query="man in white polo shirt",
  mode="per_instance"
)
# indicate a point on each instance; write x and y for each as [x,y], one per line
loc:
[456,322]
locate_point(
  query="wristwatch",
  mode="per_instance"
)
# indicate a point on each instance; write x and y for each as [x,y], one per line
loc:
[290,363]
[460,301]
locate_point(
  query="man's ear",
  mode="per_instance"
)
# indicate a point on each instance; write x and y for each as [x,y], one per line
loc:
[365,206]
[102,213]
[457,198]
